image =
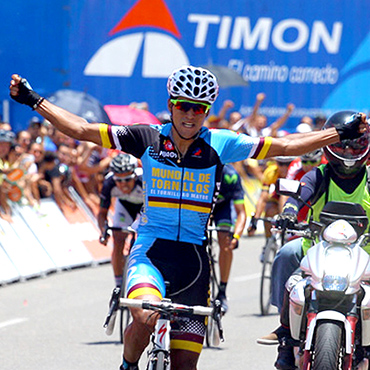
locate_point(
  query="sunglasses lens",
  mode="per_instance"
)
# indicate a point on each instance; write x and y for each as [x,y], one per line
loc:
[186,106]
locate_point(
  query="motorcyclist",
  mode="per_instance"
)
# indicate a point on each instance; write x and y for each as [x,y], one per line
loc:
[344,178]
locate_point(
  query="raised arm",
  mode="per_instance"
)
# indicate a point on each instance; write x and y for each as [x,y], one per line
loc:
[298,144]
[69,123]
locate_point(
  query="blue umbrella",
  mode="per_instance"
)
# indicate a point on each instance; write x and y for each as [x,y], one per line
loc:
[81,104]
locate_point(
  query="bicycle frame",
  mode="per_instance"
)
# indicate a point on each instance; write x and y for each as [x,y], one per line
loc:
[159,355]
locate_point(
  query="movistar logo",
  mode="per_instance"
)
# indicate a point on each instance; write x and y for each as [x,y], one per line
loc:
[233,179]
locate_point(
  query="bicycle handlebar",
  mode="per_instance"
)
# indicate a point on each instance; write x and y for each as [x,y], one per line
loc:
[160,306]
[105,234]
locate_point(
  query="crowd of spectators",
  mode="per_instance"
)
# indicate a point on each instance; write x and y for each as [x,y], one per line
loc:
[51,162]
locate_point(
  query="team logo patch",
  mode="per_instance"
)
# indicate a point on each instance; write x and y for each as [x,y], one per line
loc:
[168,145]
[197,153]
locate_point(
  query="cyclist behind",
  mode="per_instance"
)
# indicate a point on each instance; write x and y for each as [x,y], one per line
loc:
[300,167]
[269,202]
[182,163]
[229,210]
[123,182]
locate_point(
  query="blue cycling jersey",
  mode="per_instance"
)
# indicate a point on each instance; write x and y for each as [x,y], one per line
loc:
[179,192]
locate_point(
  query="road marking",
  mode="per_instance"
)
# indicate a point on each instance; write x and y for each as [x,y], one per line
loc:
[247,277]
[12,322]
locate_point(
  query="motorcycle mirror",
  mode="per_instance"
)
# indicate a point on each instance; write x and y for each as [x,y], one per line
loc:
[290,188]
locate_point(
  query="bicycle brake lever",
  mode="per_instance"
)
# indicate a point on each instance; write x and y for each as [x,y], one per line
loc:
[114,303]
[216,315]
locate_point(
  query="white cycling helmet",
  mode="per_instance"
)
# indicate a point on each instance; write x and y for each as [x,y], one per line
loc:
[123,162]
[194,83]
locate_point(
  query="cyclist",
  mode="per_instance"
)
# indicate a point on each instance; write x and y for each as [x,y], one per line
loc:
[269,202]
[182,164]
[123,182]
[300,167]
[229,210]
[343,178]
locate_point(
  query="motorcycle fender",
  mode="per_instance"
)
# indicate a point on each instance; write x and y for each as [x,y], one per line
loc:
[365,316]
[333,316]
[296,308]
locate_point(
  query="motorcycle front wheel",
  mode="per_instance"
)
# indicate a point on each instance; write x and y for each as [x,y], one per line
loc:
[327,347]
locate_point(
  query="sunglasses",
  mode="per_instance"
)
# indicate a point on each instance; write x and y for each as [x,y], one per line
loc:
[185,106]
[123,179]
[310,163]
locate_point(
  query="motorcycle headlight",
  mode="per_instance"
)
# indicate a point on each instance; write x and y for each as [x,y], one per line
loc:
[335,283]
[337,263]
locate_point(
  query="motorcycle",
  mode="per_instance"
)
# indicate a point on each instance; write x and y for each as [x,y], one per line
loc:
[329,308]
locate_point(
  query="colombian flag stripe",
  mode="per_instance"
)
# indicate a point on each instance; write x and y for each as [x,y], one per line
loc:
[144,291]
[262,150]
[177,206]
[103,130]
[196,208]
[186,345]
[163,205]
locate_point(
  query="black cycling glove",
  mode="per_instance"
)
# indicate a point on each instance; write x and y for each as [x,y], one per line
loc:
[286,220]
[27,96]
[253,224]
[349,129]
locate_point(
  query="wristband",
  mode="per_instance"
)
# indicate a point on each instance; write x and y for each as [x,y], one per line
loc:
[236,236]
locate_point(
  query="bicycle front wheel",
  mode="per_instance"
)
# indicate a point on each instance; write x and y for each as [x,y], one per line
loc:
[125,315]
[125,318]
[159,361]
[265,288]
[212,335]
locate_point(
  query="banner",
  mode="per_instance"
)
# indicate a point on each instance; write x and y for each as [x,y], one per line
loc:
[312,54]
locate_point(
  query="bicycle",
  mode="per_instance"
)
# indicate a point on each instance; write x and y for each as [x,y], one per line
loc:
[124,316]
[159,354]
[273,244]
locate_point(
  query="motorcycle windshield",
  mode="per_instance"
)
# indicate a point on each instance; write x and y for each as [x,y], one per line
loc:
[337,268]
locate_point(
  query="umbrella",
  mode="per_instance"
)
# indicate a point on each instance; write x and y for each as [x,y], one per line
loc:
[80,103]
[226,77]
[126,115]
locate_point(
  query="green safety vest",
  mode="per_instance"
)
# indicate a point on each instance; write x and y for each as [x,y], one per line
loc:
[333,192]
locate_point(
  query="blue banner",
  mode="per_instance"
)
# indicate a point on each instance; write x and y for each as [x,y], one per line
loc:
[314,54]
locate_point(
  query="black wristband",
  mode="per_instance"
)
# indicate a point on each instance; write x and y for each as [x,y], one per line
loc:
[27,96]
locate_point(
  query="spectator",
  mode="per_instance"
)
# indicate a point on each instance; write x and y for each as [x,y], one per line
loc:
[6,140]
[24,139]
[319,122]
[91,166]
[5,126]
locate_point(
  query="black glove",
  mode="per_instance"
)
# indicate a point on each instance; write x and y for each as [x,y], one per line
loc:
[253,224]
[349,130]
[26,95]
[286,221]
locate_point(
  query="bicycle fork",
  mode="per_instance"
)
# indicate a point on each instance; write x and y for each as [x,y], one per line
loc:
[161,344]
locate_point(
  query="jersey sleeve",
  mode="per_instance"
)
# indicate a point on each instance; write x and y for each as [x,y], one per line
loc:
[234,147]
[132,139]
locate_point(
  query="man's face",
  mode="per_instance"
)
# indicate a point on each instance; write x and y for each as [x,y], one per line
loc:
[65,155]
[261,122]
[187,115]
[37,151]
[4,149]
[125,181]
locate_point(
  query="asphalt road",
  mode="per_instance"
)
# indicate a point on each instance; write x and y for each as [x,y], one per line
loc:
[55,323]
